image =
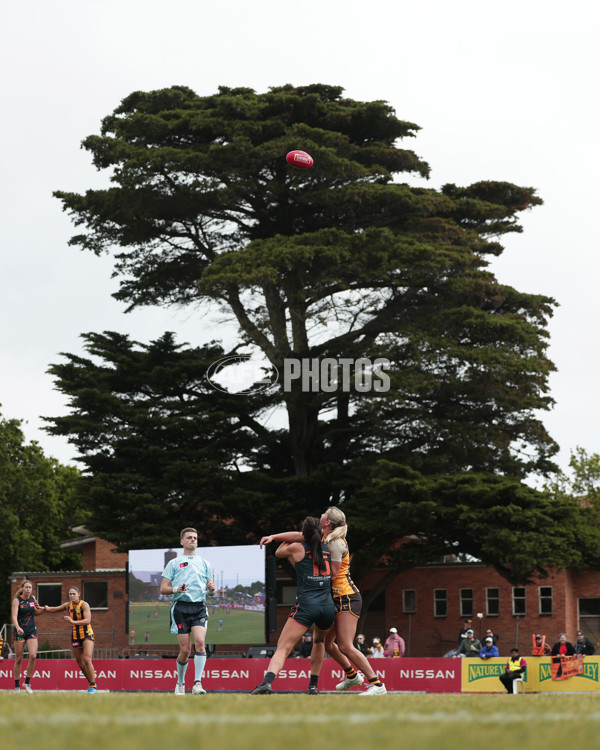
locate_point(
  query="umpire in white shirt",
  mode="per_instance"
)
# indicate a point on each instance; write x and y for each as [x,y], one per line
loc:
[189,578]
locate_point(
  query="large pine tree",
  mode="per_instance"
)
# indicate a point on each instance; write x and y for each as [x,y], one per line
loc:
[345,260]
[342,260]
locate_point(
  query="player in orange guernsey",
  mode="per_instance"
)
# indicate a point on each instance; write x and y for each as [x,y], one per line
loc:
[82,636]
[338,641]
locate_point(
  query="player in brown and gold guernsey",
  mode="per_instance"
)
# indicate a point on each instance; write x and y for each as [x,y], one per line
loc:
[339,640]
[82,635]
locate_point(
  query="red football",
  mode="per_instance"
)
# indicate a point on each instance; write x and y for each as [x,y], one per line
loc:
[299,159]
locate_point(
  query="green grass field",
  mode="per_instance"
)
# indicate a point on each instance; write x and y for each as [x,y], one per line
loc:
[244,626]
[139,721]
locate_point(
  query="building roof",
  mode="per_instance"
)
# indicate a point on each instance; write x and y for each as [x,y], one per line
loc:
[77,541]
[54,573]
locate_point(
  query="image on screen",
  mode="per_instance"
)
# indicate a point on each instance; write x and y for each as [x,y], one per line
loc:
[236,612]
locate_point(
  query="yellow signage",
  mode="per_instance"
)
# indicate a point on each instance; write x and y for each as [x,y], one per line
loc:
[483,675]
[479,676]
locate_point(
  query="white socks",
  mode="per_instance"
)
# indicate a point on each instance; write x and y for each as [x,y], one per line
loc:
[199,662]
[181,670]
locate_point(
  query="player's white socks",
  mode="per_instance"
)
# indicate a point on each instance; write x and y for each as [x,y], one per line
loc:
[199,662]
[181,670]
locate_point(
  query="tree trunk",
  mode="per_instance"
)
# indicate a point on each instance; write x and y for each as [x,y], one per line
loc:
[367,599]
[305,438]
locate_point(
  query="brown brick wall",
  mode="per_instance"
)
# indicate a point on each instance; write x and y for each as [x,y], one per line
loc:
[434,636]
[106,557]
[99,554]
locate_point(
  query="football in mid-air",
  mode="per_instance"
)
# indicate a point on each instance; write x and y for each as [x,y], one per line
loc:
[299,159]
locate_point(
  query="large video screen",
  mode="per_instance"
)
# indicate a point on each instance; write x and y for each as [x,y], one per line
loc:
[236,612]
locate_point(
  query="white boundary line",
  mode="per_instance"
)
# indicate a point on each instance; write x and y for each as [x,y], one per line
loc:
[439,717]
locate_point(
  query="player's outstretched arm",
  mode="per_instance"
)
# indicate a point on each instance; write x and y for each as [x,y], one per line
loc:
[285,536]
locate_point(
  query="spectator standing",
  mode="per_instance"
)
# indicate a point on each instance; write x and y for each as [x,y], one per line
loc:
[307,645]
[489,649]
[515,667]
[562,647]
[376,649]
[361,644]
[467,625]
[469,647]
[394,644]
[583,645]
[541,648]
[490,633]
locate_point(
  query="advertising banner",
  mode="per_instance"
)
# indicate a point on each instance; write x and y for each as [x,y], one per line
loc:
[564,667]
[579,674]
[583,681]
[239,675]
[482,675]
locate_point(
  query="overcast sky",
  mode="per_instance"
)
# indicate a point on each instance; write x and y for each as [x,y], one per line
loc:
[502,91]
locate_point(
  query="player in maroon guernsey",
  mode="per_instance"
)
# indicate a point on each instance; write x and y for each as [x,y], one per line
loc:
[24,610]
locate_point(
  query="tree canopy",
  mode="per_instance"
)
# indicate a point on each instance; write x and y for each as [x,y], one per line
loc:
[159,445]
[38,505]
[582,482]
[341,261]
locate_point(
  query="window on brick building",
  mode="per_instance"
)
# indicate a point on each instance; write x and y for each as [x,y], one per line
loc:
[95,593]
[50,594]
[492,602]
[545,595]
[440,603]
[466,602]
[409,601]
[518,600]
[589,617]
[589,607]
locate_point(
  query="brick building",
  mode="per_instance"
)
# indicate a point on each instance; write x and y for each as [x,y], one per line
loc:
[102,582]
[427,605]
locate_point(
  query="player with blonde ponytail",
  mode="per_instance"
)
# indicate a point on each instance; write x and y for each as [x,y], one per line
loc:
[338,641]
